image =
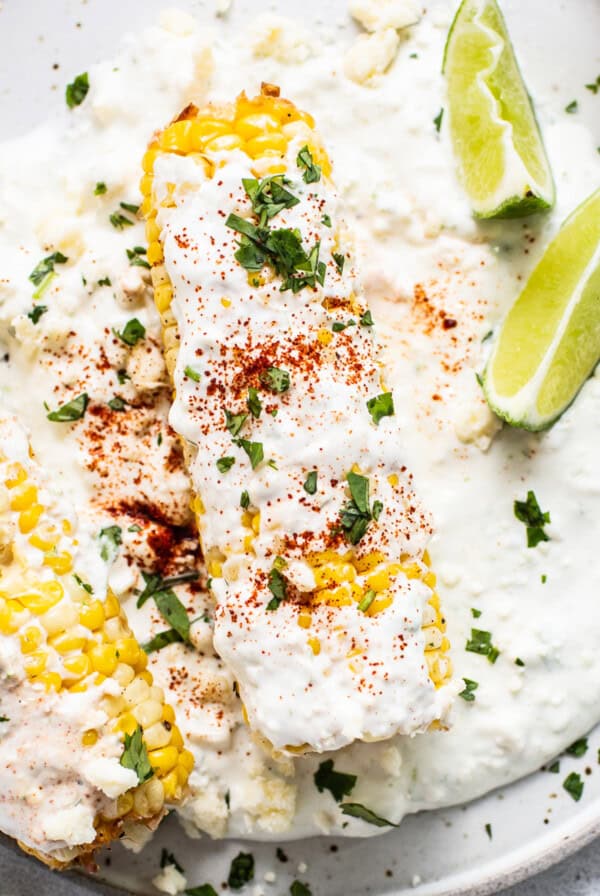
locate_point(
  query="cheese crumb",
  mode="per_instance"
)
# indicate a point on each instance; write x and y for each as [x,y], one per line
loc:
[270,877]
[109,776]
[477,424]
[371,55]
[281,39]
[374,15]
[74,825]
[170,881]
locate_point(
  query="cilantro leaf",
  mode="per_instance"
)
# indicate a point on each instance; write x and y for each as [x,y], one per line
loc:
[357,810]
[36,312]
[254,450]
[160,640]
[381,406]
[312,172]
[224,464]
[481,642]
[234,422]
[275,379]
[467,693]
[297,888]
[254,403]
[77,90]
[132,332]
[277,587]
[339,784]
[241,871]
[135,755]
[366,319]
[530,513]
[110,539]
[574,786]
[310,483]
[71,411]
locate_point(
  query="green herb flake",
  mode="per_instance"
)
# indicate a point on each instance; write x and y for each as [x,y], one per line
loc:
[122,376]
[224,464]
[77,90]
[254,403]
[117,403]
[544,578]
[438,120]
[71,411]
[311,173]
[234,422]
[381,406]
[326,220]
[338,326]
[134,528]
[574,786]
[519,662]
[356,810]
[135,755]
[244,500]
[339,784]
[160,640]
[578,748]
[277,585]
[339,259]
[167,858]
[366,319]
[85,585]
[44,271]
[572,107]
[555,767]
[356,514]
[297,888]
[275,379]
[4,719]
[130,207]
[467,693]
[202,890]
[105,281]
[241,871]
[132,332]
[254,450]
[475,613]
[119,221]
[135,257]
[100,188]
[488,830]
[192,374]
[36,313]
[310,483]
[481,642]
[366,601]
[530,513]
[594,86]
[110,538]
[269,196]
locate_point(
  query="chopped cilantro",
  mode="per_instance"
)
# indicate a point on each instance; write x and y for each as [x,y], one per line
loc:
[594,86]
[297,888]
[339,784]
[71,411]
[224,464]
[376,509]
[555,767]
[4,719]
[122,376]
[254,450]
[356,810]
[132,332]
[202,890]
[339,259]
[356,513]
[167,858]
[76,91]
[326,220]
[117,404]
[366,319]
[119,221]
[241,871]
[110,539]
[338,325]
[130,207]
[310,483]
[381,406]
[192,374]
[530,513]
[167,602]
[269,196]
[135,257]
[475,613]
[488,830]
[277,585]
[467,693]
[311,173]
[160,640]
[572,107]
[135,755]
[519,662]
[574,786]
[85,585]
[275,379]
[43,272]
[438,120]
[234,422]
[245,500]
[281,855]
[254,403]
[481,642]
[578,748]
[105,281]
[134,528]
[544,578]
[36,312]
[100,188]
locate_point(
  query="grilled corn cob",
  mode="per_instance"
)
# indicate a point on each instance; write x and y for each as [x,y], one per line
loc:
[88,746]
[326,606]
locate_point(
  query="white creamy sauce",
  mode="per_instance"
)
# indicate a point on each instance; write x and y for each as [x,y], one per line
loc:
[423,261]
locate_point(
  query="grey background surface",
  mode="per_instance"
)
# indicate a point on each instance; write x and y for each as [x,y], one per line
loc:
[578,875]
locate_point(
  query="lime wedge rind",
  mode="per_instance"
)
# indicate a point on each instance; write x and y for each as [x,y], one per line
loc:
[518,193]
[572,350]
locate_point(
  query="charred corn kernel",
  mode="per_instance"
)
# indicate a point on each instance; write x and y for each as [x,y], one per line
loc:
[89,738]
[61,562]
[92,615]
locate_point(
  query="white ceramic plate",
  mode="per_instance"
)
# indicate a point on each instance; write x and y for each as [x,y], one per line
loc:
[433,854]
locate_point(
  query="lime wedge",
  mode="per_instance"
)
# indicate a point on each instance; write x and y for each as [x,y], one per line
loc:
[549,342]
[501,158]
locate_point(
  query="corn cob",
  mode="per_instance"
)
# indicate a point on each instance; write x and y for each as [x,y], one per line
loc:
[340,600]
[81,723]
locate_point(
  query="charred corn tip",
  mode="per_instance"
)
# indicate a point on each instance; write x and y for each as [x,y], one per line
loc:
[72,640]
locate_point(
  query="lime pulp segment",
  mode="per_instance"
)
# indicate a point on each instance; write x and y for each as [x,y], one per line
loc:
[501,158]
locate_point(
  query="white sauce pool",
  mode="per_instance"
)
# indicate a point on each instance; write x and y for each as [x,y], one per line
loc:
[421,254]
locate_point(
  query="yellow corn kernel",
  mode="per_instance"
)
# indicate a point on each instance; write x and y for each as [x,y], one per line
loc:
[315,645]
[256,523]
[157,736]
[112,606]
[162,297]
[197,505]
[304,619]
[164,759]
[379,605]
[176,138]
[77,666]
[226,303]
[380,580]
[155,253]
[127,723]
[324,336]
[412,571]
[429,579]
[149,159]
[24,497]
[67,642]
[140,667]
[215,569]
[51,681]
[148,713]
[205,129]
[61,562]
[224,142]
[168,714]
[176,739]
[43,542]
[254,125]
[91,615]
[36,663]
[339,574]
[37,603]
[30,639]
[128,650]
[264,142]
[28,519]
[393,479]
[186,759]
[89,738]
[124,804]
[17,474]
[104,658]
[369,561]
[171,784]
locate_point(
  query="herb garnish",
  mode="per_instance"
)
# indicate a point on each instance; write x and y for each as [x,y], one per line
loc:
[594,87]
[122,376]
[555,767]
[135,755]
[312,172]
[43,272]
[475,613]
[470,686]
[117,403]
[160,640]
[244,500]
[277,584]
[338,325]
[104,281]
[132,332]
[297,888]
[135,257]
[519,662]
[530,513]
[169,605]
[167,858]
[339,784]
[119,221]
[192,374]
[356,513]
[110,539]
[100,188]
[254,450]
[438,120]
[481,642]
[574,786]
[366,319]
[275,379]
[269,196]
[381,406]
[36,312]
[241,870]
[224,464]
[202,890]
[254,403]
[310,483]
[572,107]
[85,585]
[71,411]
[326,220]
[366,601]
[339,259]
[488,830]
[578,748]
[234,422]
[76,91]
[357,810]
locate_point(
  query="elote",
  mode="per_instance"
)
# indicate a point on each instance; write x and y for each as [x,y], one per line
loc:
[89,749]
[327,612]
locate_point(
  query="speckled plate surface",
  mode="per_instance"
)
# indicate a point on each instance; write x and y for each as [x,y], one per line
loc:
[532,823]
